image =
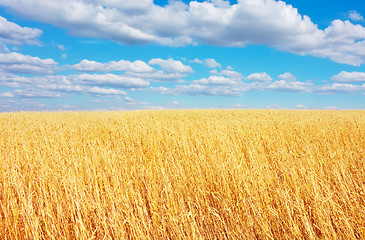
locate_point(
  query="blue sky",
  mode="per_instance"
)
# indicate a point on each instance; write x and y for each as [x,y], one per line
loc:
[144,54]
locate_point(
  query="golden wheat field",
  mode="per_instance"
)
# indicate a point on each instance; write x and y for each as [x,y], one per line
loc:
[183,174]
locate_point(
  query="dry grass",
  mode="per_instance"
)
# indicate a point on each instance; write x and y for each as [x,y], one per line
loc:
[183,175]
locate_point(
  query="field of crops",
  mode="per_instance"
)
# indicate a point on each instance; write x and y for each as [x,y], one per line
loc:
[189,174]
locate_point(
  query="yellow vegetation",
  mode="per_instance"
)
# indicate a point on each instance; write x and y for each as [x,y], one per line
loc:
[203,174]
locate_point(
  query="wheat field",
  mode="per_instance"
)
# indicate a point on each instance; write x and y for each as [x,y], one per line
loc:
[183,174]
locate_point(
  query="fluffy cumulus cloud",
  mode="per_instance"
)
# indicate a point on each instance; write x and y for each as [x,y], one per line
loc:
[11,33]
[138,75]
[199,90]
[260,77]
[14,81]
[36,93]
[288,77]
[232,85]
[343,42]
[340,88]
[159,76]
[212,63]
[112,80]
[229,83]
[228,73]
[344,82]
[59,85]
[171,70]
[94,77]
[104,91]
[51,82]
[122,65]
[171,66]
[217,22]
[218,80]
[287,86]
[349,77]
[24,64]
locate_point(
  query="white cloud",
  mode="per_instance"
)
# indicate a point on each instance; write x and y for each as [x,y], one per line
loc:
[136,66]
[196,60]
[58,85]
[103,91]
[112,80]
[36,93]
[177,41]
[158,76]
[233,86]
[11,33]
[136,5]
[272,23]
[122,65]
[45,86]
[227,73]
[349,77]
[211,63]
[18,63]
[260,77]
[355,16]
[171,70]
[288,77]
[90,66]
[14,81]
[10,105]
[171,66]
[197,89]
[218,80]
[219,85]
[342,42]
[223,83]
[339,88]
[61,87]
[213,85]
[285,86]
